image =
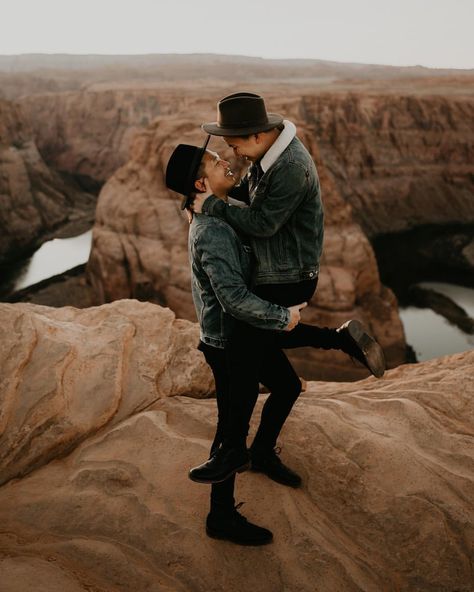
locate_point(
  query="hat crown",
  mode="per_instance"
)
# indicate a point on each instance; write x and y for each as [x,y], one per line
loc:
[242,114]
[183,167]
[180,167]
[242,110]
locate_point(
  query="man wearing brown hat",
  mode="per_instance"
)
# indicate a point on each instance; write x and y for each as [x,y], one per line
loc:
[284,223]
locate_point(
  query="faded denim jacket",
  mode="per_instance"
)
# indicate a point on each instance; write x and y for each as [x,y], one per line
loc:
[221,267]
[285,219]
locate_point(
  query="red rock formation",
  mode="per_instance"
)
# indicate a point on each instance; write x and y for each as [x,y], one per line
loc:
[94,407]
[66,373]
[89,133]
[140,246]
[386,161]
[33,198]
[400,161]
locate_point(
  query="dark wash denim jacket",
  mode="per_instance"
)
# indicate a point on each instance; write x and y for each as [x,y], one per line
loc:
[285,219]
[221,269]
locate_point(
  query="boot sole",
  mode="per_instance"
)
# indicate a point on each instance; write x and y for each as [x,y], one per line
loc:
[250,543]
[372,351]
[240,469]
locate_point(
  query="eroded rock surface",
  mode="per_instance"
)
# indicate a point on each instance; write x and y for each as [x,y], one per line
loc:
[34,199]
[401,161]
[140,246]
[387,466]
[66,373]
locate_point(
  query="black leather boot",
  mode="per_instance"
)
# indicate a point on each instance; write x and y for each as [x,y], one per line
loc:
[222,465]
[356,342]
[232,526]
[268,462]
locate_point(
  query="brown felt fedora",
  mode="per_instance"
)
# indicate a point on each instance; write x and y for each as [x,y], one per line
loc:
[242,114]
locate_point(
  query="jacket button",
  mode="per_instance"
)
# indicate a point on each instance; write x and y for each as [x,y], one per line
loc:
[311,274]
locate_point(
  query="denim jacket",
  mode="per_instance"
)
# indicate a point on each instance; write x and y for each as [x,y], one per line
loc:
[285,219]
[221,269]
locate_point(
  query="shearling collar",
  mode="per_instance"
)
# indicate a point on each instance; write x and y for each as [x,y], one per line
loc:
[280,144]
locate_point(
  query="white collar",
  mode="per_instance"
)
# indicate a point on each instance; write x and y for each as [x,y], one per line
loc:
[279,145]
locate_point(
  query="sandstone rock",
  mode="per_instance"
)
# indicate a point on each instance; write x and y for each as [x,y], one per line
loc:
[140,247]
[387,470]
[90,132]
[401,161]
[66,373]
[33,198]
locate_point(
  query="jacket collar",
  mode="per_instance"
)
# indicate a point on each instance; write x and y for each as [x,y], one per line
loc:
[280,144]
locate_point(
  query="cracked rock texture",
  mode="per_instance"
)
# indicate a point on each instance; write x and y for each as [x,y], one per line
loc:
[387,466]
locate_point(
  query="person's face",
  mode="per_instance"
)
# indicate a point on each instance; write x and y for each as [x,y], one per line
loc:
[218,172]
[250,148]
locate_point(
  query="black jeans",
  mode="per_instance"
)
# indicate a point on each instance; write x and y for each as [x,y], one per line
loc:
[302,335]
[255,356]
[277,374]
[222,494]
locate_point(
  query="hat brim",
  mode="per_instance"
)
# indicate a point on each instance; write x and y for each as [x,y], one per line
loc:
[193,169]
[214,129]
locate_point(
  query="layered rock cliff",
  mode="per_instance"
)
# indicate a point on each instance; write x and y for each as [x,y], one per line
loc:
[401,161]
[89,132]
[34,199]
[140,245]
[406,166]
[101,417]
[388,162]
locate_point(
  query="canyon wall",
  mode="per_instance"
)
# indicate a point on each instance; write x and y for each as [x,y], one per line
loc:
[34,199]
[400,161]
[388,163]
[140,246]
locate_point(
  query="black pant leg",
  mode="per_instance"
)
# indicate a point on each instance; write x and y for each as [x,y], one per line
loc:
[244,361]
[216,359]
[303,335]
[222,494]
[278,375]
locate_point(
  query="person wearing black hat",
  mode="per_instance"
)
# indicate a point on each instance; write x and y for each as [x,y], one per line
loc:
[221,270]
[284,222]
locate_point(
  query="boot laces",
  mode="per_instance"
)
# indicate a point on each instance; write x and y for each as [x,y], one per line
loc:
[237,515]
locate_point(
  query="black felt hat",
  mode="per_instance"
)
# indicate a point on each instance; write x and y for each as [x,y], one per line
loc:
[182,169]
[242,114]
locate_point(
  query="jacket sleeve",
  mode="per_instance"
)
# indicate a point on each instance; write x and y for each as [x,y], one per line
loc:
[219,256]
[285,191]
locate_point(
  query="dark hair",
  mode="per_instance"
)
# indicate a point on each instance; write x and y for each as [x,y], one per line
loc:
[200,171]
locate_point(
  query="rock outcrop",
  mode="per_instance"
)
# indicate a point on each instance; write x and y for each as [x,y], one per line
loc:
[400,161]
[101,418]
[388,162]
[140,245]
[66,373]
[34,199]
[89,133]
[406,166]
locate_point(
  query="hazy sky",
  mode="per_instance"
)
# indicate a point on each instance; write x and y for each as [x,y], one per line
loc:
[436,33]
